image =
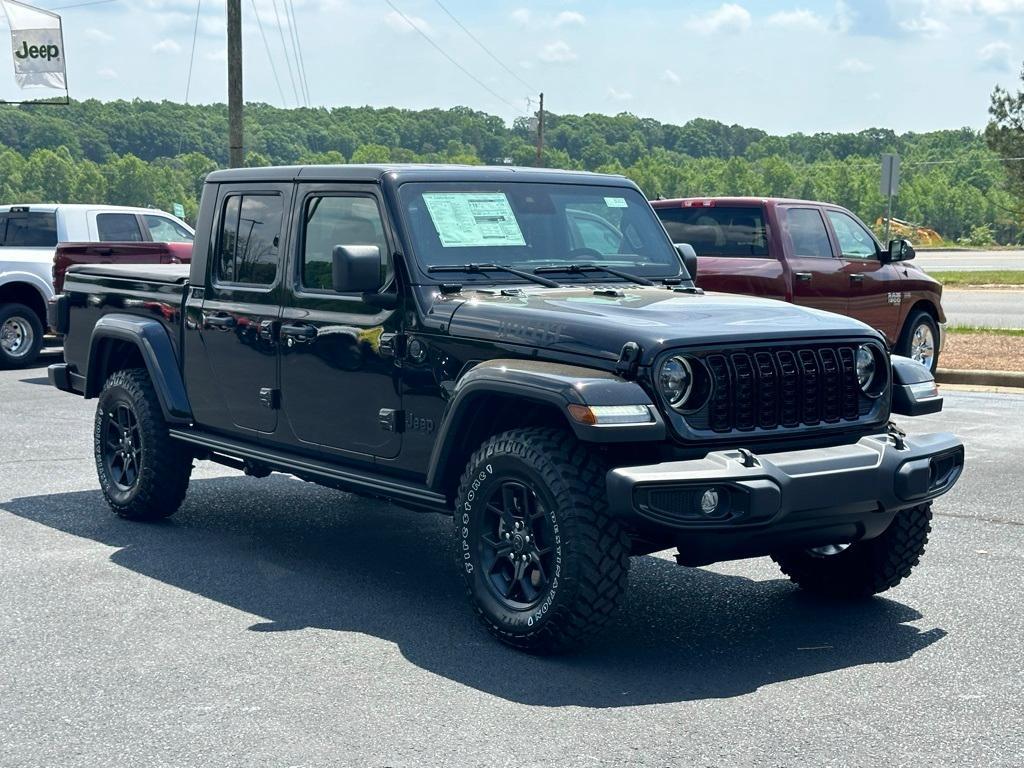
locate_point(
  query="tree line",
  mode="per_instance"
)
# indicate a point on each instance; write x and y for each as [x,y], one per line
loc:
[149,153]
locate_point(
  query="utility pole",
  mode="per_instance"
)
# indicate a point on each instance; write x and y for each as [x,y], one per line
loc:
[540,134]
[236,156]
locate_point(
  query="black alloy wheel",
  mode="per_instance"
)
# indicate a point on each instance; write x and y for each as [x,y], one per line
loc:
[517,545]
[122,446]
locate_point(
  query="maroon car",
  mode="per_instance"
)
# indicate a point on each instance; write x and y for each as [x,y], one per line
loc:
[815,254]
[134,252]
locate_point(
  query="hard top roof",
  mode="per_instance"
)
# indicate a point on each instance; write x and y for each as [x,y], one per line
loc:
[398,173]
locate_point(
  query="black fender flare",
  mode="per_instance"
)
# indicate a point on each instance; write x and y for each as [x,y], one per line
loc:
[910,380]
[154,344]
[554,384]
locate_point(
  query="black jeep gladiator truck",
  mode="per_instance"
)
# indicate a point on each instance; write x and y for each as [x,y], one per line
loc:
[524,350]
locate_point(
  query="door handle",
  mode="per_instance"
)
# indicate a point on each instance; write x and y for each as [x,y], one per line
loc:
[300,332]
[856,278]
[803,277]
[219,321]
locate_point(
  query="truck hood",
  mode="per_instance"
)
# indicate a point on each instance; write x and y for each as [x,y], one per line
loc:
[584,321]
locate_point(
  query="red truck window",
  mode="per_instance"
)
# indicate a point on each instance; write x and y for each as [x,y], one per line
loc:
[736,231]
[807,233]
[855,241]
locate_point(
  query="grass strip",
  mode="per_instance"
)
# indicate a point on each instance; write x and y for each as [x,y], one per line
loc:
[988,277]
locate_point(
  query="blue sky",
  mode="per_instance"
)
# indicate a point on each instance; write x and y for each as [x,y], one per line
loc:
[796,65]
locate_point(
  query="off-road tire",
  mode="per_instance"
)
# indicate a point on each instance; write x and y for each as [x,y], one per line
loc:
[29,355]
[905,345]
[593,552]
[866,567]
[164,465]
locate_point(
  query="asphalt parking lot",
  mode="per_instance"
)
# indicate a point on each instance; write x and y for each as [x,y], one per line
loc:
[276,623]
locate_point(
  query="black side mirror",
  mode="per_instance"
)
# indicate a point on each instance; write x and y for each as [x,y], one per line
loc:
[900,249]
[689,257]
[356,269]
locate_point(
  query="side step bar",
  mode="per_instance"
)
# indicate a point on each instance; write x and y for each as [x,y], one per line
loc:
[355,480]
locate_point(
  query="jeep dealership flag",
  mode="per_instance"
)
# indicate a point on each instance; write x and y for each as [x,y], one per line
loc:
[37,43]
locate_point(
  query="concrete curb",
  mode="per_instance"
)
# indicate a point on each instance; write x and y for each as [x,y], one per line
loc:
[980,378]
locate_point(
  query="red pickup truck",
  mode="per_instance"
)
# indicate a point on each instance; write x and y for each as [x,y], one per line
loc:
[814,254]
[133,252]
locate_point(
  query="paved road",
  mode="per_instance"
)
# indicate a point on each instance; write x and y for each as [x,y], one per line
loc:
[936,261]
[272,622]
[984,308]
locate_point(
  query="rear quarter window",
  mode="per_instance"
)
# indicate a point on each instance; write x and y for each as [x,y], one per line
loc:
[731,231]
[36,229]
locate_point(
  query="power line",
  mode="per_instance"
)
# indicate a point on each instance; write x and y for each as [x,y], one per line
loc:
[81,5]
[444,53]
[192,55]
[483,47]
[300,60]
[287,59]
[270,56]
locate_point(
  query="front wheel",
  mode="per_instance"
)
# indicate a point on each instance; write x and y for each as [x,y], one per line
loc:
[920,340]
[142,471]
[863,568]
[544,563]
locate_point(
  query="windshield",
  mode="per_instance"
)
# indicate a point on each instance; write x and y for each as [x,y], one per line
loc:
[530,226]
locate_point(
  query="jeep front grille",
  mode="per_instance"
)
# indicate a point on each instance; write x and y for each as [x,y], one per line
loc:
[769,388]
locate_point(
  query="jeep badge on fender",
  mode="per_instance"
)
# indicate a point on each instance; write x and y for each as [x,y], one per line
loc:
[523,350]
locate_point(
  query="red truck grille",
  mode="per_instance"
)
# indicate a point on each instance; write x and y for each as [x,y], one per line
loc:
[772,388]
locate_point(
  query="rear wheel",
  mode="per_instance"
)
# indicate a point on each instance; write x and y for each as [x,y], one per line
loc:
[143,472]
[920,340]
[21,336]
[865,567]
[544,564]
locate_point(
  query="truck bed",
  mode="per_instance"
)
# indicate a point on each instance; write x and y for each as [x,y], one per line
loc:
[140,254]
[150,273]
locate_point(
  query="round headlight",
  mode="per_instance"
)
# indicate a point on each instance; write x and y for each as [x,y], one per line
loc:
[866,367]
[675,380]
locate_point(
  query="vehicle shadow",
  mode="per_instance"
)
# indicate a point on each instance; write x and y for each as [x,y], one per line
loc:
[304,556]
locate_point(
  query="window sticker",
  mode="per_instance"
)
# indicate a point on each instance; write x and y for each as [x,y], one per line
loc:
[615,202]
[473,219]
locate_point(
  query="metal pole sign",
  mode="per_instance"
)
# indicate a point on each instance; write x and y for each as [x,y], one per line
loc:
[890,185]
[37,46]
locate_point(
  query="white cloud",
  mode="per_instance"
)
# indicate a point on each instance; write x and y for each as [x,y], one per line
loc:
[221,54]
[166,46]
[397,22]
[855,66]
[926,26]
[568,18]
[558,52]
[670,77]
[619,95]
[728,18]
[521,16]
[997,55]
[797,19]
[106,73]
[98,35]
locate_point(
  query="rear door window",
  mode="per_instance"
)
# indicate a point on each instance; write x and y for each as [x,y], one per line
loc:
[736,231]
[118,228]
[807,233]
[36,229]
[249,239]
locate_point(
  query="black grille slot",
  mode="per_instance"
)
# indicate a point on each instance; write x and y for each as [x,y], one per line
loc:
[744,397]
[768,391]
[720,416]
[772,388]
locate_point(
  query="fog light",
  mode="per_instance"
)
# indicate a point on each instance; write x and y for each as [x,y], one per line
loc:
[709,501]
[610,415]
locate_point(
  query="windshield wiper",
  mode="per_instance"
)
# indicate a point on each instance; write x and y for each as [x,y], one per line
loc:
[579,269]
[476,269]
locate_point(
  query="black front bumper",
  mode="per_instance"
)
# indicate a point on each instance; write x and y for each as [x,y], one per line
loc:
[733,504]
